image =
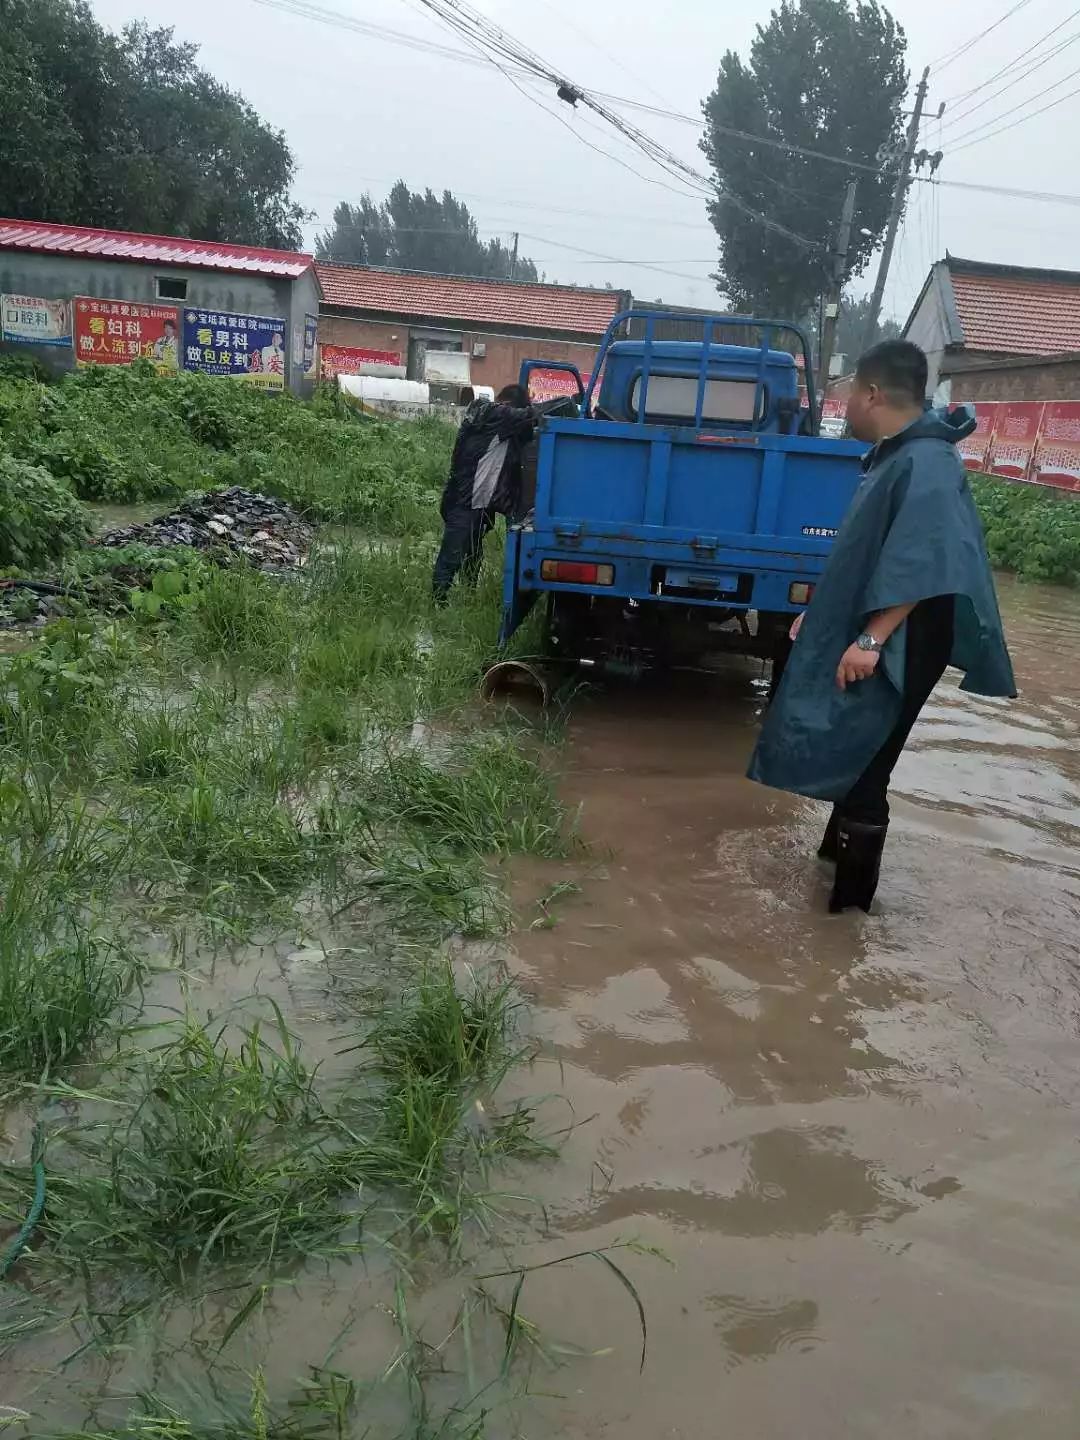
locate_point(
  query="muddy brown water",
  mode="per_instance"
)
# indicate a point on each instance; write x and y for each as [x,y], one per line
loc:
[852,1141]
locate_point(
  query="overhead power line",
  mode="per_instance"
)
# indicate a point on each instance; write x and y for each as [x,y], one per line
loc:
[477,30]
[943,61]
[337,19]
[1022,120]
[1019,79]
[1012,64]
[981,125]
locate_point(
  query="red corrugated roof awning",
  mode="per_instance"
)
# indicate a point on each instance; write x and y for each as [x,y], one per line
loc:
[27,235]
[561,308]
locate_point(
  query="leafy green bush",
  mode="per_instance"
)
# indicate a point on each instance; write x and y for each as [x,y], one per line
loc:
[124,434]
[40,519]
[22,367]
[1030,529]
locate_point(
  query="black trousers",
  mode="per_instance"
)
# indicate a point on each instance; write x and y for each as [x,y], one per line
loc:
[929,646]
[462,548]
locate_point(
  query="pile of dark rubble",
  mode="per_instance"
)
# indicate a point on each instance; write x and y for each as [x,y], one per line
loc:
[268,533]
[29,602]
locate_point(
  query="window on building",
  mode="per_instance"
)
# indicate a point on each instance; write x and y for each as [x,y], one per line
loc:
[170,288]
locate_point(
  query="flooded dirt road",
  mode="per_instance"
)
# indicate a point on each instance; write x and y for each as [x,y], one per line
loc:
[855,1139]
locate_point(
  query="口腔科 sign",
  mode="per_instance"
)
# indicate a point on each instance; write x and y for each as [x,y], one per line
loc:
[247,347]
[30,320]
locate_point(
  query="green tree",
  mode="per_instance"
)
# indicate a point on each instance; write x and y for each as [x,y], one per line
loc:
[851,338]
[127,131]
[417,230]
[823,75]
[851,328]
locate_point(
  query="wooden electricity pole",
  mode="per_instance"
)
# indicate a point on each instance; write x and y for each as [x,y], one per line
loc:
[836,287]
[903,185]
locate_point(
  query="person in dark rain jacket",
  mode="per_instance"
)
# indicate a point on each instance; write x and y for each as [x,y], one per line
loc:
[485,481]
[907,592]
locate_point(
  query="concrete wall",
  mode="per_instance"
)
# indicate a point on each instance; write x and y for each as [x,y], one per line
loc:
[60,277]
[498,367]
[1021,380]
[927,328]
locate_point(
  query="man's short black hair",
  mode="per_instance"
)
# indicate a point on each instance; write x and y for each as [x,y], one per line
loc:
[515,395]
[896,367]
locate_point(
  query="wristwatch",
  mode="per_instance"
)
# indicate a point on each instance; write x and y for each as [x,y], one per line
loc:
[868,643]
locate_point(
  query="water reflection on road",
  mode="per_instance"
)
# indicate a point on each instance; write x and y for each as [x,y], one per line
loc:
[854,1138]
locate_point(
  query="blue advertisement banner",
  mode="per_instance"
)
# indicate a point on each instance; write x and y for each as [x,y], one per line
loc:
[311,344]
[247,347]
[30,320]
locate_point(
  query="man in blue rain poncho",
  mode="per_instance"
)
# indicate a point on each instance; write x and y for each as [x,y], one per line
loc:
[907,592]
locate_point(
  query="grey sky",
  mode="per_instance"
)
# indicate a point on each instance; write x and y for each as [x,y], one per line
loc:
[361,112]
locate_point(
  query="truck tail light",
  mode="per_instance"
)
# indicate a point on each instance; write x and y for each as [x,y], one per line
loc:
[800,593]
[575,572]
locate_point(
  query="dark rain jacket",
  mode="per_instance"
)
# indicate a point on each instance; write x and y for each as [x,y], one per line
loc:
[912,532]
[485,470]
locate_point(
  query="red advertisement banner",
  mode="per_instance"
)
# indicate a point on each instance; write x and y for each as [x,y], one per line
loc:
[1057,458]
[116,332]
[349,360]
[547,385]
[1016,433]
[974,450]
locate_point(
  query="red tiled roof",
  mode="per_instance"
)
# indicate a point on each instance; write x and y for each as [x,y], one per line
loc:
[485,302]
[1018,313]
[151,249]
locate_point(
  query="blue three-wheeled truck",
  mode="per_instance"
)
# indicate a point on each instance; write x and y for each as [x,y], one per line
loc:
[686,506]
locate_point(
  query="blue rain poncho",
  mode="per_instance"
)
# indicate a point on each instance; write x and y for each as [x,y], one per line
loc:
[912,532]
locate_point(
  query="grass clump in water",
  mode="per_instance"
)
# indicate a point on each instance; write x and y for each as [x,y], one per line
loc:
[320,1411]
[488,795]
[439,1052]
[60,986]
[219,1155]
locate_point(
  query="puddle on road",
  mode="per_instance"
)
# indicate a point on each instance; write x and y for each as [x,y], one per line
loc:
[855,1139]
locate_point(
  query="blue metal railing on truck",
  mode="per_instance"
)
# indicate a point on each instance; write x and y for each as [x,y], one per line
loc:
[709,323]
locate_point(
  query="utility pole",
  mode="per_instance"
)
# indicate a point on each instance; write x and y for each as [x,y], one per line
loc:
[836,287]
[513,257]
[903,185]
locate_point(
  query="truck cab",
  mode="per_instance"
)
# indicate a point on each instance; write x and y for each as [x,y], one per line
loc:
[739,397]
[686,506]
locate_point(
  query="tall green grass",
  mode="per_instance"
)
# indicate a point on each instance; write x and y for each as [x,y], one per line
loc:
[271,755]
[221,1147]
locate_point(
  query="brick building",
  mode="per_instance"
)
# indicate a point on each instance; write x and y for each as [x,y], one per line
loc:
[999,332]
[401,315]
[70,294]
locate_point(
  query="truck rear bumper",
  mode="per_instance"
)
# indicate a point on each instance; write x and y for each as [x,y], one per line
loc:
[720,576]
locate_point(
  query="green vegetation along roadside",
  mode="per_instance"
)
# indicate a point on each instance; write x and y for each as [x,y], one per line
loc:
[286,766]
[1030,529]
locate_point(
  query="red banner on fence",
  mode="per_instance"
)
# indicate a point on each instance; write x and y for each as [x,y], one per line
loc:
[1057,458]
[349,360]
[975,449]
[1016,434]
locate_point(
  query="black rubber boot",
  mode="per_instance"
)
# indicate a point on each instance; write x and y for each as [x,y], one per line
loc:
[858,865]
[829,847]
